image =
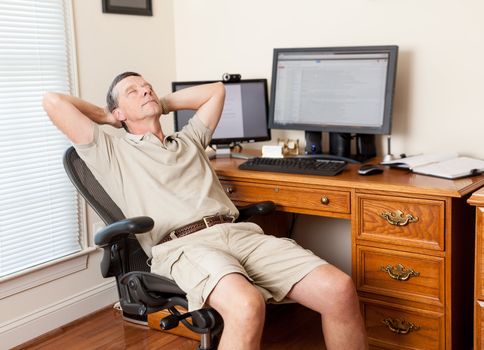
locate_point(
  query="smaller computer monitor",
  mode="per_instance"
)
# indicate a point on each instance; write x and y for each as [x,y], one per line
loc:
[244,116]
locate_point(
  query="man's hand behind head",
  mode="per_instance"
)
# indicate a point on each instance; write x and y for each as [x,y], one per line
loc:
[110,119]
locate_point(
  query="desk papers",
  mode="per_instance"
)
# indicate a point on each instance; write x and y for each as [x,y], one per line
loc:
[446,165]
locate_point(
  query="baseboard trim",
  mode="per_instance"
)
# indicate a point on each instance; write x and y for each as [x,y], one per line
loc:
[20,330]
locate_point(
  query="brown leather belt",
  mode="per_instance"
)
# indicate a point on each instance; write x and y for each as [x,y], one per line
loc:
[193,227]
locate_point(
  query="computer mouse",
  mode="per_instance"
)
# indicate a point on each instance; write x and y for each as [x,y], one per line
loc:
[370,169]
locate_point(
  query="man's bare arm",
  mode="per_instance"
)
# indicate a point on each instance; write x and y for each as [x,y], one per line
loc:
[207,99]
[75,117]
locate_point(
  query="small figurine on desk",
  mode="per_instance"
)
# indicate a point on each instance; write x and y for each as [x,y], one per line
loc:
[289,147]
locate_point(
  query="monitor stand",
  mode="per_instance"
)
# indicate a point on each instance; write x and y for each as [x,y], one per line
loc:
[340,146]
[314,148]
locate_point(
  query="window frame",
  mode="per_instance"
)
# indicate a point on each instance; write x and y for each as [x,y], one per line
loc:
[63,266]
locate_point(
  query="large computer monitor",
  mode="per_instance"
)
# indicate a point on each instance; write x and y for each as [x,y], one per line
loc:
[346,91]
[245,114]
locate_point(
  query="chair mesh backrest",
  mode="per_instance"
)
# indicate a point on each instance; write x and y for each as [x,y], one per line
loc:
[90,189]
[103,205]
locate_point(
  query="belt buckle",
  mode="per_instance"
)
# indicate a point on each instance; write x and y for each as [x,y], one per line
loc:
[205,220]
[221,218]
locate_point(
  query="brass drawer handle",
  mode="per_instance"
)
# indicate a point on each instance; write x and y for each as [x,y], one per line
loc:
[400,326]
[396,218]
[324,200]
[399,272]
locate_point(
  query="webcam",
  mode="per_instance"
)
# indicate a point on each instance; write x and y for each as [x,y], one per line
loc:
[231,77]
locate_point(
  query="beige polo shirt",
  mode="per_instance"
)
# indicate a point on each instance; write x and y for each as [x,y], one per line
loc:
[170,181]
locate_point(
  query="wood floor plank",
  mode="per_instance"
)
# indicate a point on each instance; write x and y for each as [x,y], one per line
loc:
[288,327]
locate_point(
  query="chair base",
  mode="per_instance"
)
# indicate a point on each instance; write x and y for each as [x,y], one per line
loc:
[142,320]
[132,320]
[154,323]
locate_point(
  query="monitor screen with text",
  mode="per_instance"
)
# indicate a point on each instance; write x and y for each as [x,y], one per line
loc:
[245,114]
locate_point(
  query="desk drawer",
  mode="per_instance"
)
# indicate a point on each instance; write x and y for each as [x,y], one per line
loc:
[304,198]
[391,327]
[401,221]
[401,275]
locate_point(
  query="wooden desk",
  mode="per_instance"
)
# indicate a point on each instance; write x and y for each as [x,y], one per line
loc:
[412,245]
[477,199]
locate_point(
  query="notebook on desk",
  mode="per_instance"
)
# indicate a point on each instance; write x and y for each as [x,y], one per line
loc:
[445,165]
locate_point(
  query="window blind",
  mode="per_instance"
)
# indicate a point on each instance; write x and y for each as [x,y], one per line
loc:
[38,205]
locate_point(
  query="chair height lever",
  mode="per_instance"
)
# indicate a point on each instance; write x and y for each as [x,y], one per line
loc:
[172,321]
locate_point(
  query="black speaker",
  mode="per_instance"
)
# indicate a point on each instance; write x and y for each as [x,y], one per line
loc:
[340,144]
[313,142]
[365,146]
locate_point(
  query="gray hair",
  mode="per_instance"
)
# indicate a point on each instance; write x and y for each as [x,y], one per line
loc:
[112,96]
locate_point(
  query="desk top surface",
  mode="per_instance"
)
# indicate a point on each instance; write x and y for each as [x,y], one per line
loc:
[395,180]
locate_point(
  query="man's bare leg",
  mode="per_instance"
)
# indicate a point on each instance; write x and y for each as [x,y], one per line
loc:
[242,308]
[331,292]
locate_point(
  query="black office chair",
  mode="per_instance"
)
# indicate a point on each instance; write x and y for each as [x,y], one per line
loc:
[141,292]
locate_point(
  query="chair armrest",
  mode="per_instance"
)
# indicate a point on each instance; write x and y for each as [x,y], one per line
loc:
[260,208]
[152,282]
[123,228]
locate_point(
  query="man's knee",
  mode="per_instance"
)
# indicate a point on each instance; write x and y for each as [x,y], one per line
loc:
[238,301]
[326,290]
[344,288]
[342,293]
[248,308]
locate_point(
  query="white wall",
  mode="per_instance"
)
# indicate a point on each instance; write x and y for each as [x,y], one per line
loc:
[440,79]
[107,44]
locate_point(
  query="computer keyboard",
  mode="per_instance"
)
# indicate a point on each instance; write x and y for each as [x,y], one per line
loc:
[309,166]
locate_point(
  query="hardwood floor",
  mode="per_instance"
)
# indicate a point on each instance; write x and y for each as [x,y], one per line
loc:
[288,327]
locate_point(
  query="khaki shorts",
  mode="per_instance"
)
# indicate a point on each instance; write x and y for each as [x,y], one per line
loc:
[198,261]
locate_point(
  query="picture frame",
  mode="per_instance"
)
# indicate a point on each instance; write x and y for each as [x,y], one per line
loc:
[128,7]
